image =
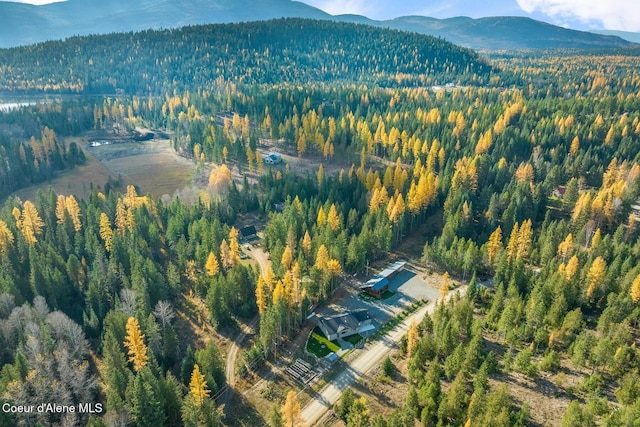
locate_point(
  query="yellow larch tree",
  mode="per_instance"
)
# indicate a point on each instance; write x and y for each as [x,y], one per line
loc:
[322,218]
[444,287]
[212,267]
[131,220]
[234,246]
[219,180]
[512,246]
[106,233]
[334,269]
[261,296]
[575,146]
[29,222]
[322,258]
[566,246]
[60,209]
[374,203]
[74,212]
[595,277]
[291,411]
[278,292]
[333,219]
[198,386]
[287,258]
[390,206]
[250,158]
[121,217]
[6,237]
[412,338]
[494,245]
[572,267]
[269,277]
[525,237]
[134,341]
[301,145]
[131,197]
[635,289]
[225,254]
[306,243]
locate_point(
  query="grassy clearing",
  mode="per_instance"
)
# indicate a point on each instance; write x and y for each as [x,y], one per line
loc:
[353,339]
[387,294]
[319,345]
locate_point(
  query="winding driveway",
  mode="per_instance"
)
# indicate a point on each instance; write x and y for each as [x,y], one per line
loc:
[262,259]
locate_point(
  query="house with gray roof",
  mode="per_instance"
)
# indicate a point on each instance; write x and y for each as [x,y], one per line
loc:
[345,324]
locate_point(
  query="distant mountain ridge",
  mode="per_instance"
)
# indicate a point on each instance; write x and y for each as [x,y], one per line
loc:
[22,24]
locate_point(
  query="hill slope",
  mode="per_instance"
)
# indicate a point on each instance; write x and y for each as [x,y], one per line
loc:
[501,33]
[294,51]
[22,24]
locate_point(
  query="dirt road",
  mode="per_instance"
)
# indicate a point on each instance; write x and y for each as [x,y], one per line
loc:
[370,357]
[262,259]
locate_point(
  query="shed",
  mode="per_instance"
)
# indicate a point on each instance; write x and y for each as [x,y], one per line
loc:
[248,232]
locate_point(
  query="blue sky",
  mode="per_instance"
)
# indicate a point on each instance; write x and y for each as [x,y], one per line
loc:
[577,14]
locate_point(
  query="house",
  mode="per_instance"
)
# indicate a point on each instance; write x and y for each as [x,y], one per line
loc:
[559,191]
[248,232]
[345,324]
[379,283]
[273,158]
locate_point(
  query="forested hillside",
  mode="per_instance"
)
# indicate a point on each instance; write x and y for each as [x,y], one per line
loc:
[289,50]
[524,179]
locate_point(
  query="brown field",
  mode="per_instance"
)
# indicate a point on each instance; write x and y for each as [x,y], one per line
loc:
[77,181]
[153,166]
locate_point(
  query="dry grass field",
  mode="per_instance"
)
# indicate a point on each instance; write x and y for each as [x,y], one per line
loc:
[153,166]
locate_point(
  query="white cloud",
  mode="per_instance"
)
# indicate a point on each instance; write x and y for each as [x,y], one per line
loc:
[608,14]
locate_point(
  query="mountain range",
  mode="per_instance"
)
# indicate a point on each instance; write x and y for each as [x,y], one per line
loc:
[22,24]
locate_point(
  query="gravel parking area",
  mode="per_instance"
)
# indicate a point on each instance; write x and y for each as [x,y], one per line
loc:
[408,286]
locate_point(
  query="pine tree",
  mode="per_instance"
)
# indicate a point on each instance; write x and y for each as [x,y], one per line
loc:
[198,386]
[134,341]
[320,175]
